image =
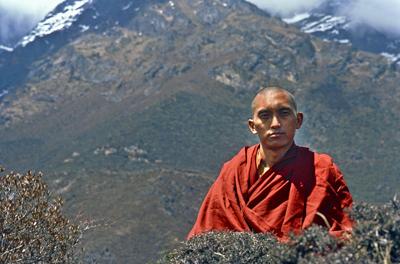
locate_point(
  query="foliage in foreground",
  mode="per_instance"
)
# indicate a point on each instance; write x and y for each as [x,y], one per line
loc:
[32,226]
[375,239]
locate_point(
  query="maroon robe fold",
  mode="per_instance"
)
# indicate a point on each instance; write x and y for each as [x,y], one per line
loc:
[301,189]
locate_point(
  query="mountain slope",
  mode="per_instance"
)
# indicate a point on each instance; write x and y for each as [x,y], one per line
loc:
[168,88]
[85,92]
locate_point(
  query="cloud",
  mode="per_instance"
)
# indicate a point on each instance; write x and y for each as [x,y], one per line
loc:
[19,17]
[382,15]
[287,7]
[10,25]
[37,8]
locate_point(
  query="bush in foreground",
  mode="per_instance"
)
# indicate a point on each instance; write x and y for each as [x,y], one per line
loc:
[375,239]
[32,226]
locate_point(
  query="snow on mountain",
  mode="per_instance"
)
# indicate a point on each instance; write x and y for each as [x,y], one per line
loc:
[326,23]
[296,18]
[320,23]
[329,23]
[6,48]
[55,22]
[391,57]
[3,93]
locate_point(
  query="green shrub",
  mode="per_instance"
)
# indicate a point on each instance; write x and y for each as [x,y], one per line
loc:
[375,239]
[32,226]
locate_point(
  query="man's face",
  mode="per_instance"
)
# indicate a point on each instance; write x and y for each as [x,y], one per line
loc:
[274,120]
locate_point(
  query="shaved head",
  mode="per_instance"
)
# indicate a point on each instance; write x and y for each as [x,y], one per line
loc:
[265,91]
[275,119]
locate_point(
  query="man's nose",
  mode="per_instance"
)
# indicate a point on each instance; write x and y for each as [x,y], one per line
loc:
[275,122]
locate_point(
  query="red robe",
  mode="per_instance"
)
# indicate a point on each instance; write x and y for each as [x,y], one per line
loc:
[287,198]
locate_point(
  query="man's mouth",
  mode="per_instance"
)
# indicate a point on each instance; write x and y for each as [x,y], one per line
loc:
[276,134]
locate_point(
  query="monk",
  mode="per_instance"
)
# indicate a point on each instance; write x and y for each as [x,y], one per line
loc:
[276,186]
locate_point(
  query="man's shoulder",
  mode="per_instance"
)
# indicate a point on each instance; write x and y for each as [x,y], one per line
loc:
[320,159]
[241,156]
[325,167]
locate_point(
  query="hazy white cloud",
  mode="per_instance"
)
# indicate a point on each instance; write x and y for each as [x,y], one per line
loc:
[287,7]
[383,15]
[33,8]
[18,17]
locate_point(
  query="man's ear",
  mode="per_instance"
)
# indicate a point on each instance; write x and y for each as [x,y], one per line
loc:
[299,117]
[252,126]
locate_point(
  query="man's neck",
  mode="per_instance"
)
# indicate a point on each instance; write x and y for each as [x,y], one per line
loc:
[272,156]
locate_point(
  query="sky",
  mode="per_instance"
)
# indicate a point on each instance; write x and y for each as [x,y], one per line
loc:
[35,8]
[19,16]
[380,14]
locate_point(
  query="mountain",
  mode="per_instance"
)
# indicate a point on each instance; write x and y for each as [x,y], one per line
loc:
[131,107]
[329,21]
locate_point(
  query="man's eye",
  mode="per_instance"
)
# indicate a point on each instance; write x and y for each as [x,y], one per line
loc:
[285,112]
[264,115]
